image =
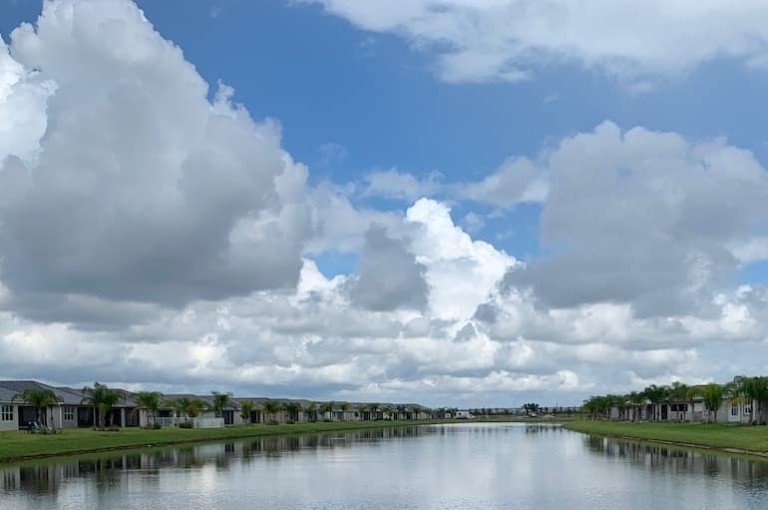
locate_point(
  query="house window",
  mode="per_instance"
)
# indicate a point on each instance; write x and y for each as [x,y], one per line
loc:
[6,413]
[747,408]
[734,410]
[69,413]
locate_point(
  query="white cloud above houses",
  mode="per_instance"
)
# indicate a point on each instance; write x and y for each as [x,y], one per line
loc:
[509,40]
[152,233]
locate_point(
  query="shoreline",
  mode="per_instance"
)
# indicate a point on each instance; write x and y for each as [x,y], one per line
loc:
[10,452]
[600,429]
[15,446]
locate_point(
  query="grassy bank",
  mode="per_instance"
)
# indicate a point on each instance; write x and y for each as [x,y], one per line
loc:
[15,446]
[731,438]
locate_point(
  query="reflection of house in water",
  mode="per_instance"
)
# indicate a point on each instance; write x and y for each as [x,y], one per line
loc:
[681,460]
[46,480]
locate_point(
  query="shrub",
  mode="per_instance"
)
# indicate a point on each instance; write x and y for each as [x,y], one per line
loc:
[272,422]
[185,425]
[290,422]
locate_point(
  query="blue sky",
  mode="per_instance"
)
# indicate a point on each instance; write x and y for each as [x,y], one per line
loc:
[645,241]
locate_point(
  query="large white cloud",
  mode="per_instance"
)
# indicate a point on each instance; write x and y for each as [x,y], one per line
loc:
[645,218]
[504,40]
[140,188]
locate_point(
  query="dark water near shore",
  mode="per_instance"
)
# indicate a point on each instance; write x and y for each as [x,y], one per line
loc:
[472,466]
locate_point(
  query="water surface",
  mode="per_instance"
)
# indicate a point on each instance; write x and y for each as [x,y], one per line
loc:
[466,466]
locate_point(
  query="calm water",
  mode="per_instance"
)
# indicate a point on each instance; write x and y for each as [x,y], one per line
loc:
[472,466]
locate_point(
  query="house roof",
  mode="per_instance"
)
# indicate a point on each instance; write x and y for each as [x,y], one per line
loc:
[6,395]
[72,396]
[17,387]
[65,396]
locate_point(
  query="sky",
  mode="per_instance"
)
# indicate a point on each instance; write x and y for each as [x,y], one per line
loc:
[451,202]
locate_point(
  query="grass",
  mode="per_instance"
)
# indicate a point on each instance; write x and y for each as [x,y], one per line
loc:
[742,438]
[16,445]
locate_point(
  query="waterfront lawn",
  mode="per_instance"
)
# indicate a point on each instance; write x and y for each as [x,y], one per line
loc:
[721,436]
[16,445]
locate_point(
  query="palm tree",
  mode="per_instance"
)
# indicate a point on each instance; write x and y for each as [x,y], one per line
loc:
[344,408]
[220,401]
[656,395]
[387,411]
[326,410]
[190,407]
[712,394]
[311,412]
[246,407]
[293,409]
[148,401]
[636,400]
[679,392]
[39,398]
[271,407]
[759,391]
[750,391]
[104,399]
[374,408]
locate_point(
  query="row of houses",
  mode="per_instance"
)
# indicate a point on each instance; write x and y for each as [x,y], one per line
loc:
[731,410]
[71,411]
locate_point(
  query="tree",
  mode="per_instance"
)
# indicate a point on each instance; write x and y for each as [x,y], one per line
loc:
[344,408]
[293,409]
[271,407]
[104,399]
[636,400]
[656,395]
[39,398]
[712,394]
[148,401]
[750,391]
[311,412]
[598,406]
[326,409]
[531,408]
[679,392]
[188,406]
[246,407]
[220,401]
[374,408]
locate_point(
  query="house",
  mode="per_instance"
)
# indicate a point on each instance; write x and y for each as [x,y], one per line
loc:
[464,414]
[68,412]
[9,410]
[168,415]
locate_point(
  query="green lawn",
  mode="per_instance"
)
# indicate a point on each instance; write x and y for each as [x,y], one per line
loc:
[20,445]
[745,438]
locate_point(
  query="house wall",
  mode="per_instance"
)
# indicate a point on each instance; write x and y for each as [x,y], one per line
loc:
[733,413]
[12,423]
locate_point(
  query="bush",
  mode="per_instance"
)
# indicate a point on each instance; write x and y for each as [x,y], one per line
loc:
[272,422]
[185,425]
[290,422]
[154,426]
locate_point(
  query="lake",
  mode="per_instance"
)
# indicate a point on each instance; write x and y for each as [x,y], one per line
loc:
[463,466]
